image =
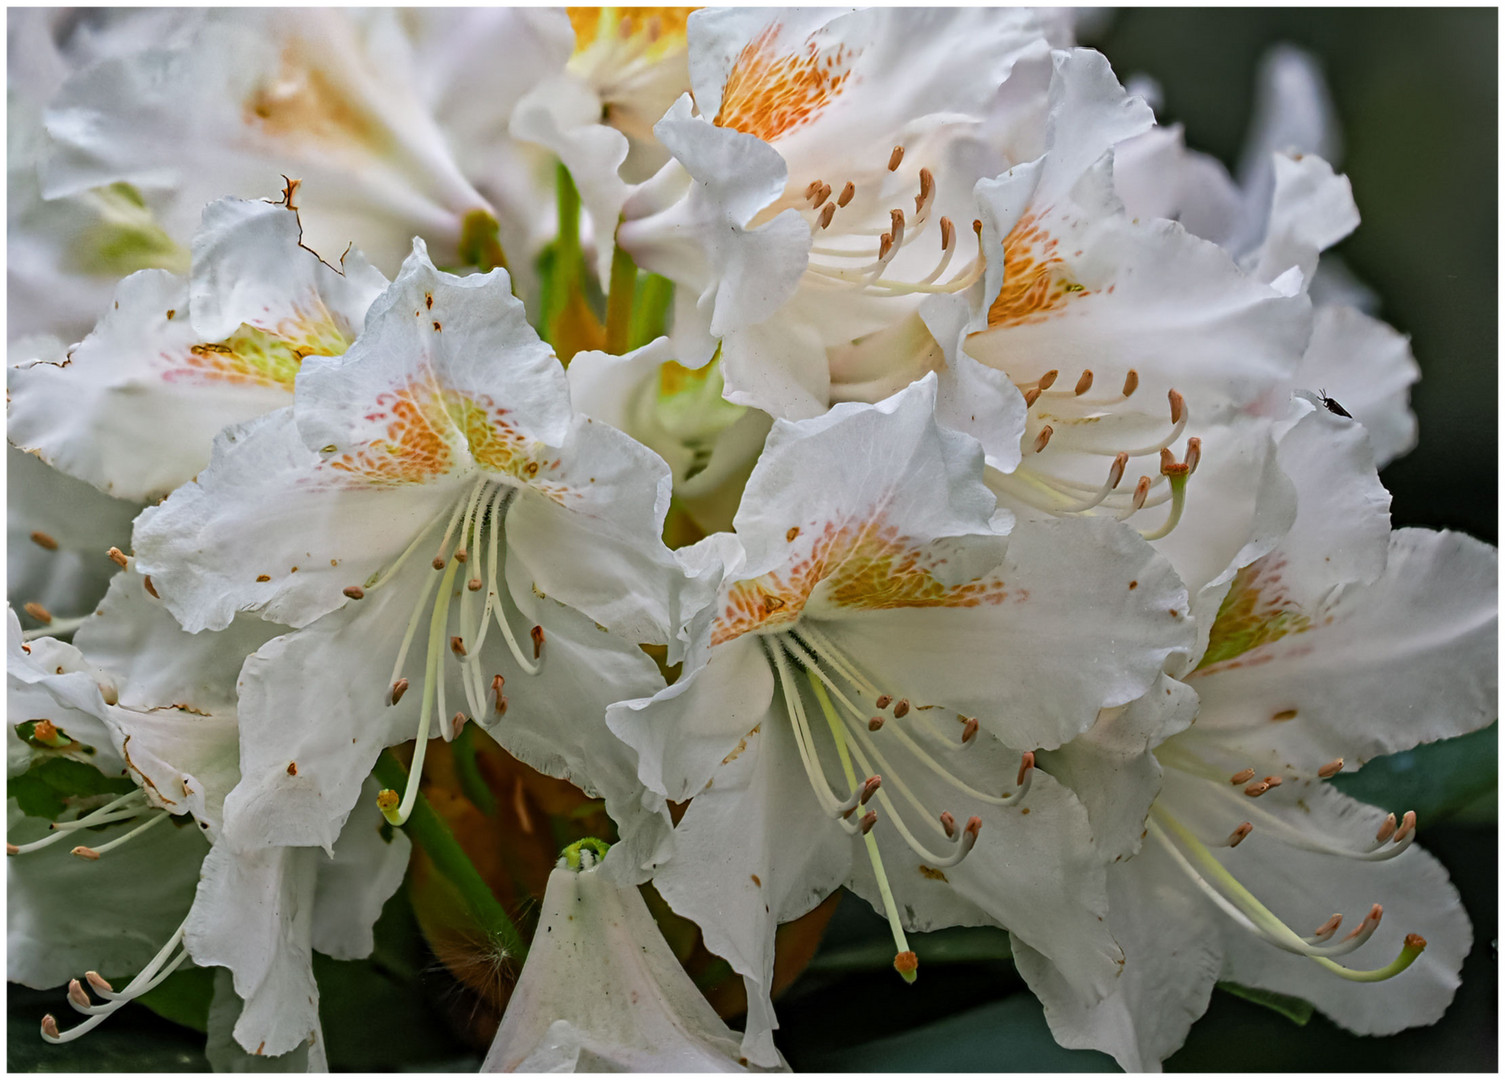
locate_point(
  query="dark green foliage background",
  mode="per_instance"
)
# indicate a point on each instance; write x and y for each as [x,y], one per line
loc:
[1416,91]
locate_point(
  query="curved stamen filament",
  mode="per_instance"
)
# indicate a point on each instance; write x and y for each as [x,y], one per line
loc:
[1239,903]
[96,852]
[158,969]
[379,579]
[830,804]
[904,961]
[494,600]
[127,807]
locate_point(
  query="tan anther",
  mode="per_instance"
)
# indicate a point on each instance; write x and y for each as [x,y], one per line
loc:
[1236,837]
[1331,769]
[977,227]
[969,729]
[41,539]
[906,963]
[901,709]
[895,158]
[1131,382]
[884,701]
[117,556]
[896,225]
[948,233]
[927,189]
[85,853]
[49,1026]
[457,645]
[875,723]
[822,193]
[461,555]
[949,824]
[1407,826]
[537,635]
[846,194]
[1031,396]
[1272,781]
[1243,776]
[1387,829]
[97,981]
[1026,763]
[885,245]
[1116,470]
[11,849]
[826,215]
[1371,920]
[1042,440]
[1083,384]
[1167,462]
[355,592]
[497,683]
[37,612]
[474,584]
[813,189]
[438,563]
[399,688]
[1256,789]
[1178,405]
[151,589]
[456,725]
[1141,492]
[1329,928]
[1046,381]
[869,789]
[1193,454]
[869,819]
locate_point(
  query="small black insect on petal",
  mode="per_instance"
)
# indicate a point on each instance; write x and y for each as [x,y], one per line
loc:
[1333,406]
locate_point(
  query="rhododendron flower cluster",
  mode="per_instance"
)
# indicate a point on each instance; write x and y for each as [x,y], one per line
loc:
[818,448]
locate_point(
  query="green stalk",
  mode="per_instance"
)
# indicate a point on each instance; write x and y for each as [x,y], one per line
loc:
[428,830]
[624,277]
[650,311]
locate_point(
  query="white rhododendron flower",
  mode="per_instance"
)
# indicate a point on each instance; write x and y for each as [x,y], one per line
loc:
[134,408]
[601,992]
[164,702]
[434,474]
[1328,651]
[872,662]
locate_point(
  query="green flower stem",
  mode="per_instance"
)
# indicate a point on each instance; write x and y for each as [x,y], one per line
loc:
[650,310]
[428,830]
[624,277]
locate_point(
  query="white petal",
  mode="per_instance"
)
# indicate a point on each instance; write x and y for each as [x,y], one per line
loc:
[1368,368]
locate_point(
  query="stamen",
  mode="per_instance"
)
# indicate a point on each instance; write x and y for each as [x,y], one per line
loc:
[875,723]
[1331,769]
[37,611]
[399,688]
[355,592]
[1327,929]
[869,819]
[1083,384]
[474,584]
[1256,789]
[456,724]
[1131,383]
[895,158]
[921,201]
[901,709]
[118,557]
[824,221]
[1043,439]
[969,731]
[43,540]
[1236,837]
[95,853]
[151,976]
[1243,776]
[501,700]
[1387,830]
[846,194]
[884,701]
[537,634]
[457,645]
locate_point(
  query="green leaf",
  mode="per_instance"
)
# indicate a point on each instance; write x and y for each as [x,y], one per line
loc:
[1293,1009]
[40,791]
[1437,780]
[1006,1036]
[183,997]
[375,1022]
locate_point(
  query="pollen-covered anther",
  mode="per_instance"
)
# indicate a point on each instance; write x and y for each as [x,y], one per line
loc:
[948,823]
[1272,781]
[438,563]
[1131,383]
[824,221]
[970,833]
[1256,789]
[1116,470]
[85,853]
[901,709]
[49,1028]
[457,645]
[1371,921]
[875,723]
[537,634]
[884,701]
[1178,405]
[43,540]
[474,584]
[812,189]
[1387,829]
[1331,769]
[927,192]
[1243,776]
[1026,765]
[79,998]
[1031,396]
[99,982]
[1407,827]
[1236,837]
[1327,929]
[355,592]
[1193,454]
[37,612]
[969,730]
[1042,440]
[1141,492]
[896,158]
[461,555]
[1083,384]
[117,557]
[869,789]
[1046,381]
[847,193]
[869,819]
[499,699]
[456,725]
[399,688]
